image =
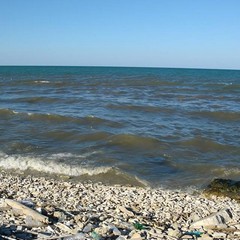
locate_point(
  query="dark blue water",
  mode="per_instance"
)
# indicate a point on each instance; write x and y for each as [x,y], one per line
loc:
[170,127]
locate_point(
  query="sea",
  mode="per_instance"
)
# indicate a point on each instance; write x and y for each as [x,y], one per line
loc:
[157,127]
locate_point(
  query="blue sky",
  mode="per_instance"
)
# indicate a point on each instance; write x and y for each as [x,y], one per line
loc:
[155,33]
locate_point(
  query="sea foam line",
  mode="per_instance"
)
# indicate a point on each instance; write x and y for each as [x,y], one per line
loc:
[24,163]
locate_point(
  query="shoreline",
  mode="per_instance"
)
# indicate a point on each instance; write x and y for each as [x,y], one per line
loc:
[98,211]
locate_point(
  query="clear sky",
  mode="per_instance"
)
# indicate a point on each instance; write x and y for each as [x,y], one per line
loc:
[156,33]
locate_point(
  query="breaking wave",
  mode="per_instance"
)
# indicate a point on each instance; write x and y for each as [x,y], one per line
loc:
[53,167]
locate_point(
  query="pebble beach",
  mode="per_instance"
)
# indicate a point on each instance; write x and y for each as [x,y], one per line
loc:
[97,211]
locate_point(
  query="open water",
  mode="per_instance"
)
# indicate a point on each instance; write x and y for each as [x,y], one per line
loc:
[155,126]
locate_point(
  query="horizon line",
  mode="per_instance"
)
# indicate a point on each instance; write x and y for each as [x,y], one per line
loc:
[113,66]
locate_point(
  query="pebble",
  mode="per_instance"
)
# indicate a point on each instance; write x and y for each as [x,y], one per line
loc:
[219,235]
[97,211]
[136,236]
[88,228]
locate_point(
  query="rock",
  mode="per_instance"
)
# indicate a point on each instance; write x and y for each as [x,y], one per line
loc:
[88,228]
[33,222]
[80,225]
[27,211]
[125,211]
[136,236]
[237,233]
[59,215]
[224,187]
[173,232]
[237,226]
[3,205]
[16,212]
[219,235]
[206,237]
[64,227]
[121,238]
[216,220]
[43,235]
[115,231]
[187,237]
[78,236]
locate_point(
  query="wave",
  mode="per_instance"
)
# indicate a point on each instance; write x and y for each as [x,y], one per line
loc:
[150,109]
[231,171]
[74,135]
[228,86]
[42,81]
[55,118]
[53,167]
[33,100]
[205,144]
[21,147]
[6,112]
[218,115]
[133,142]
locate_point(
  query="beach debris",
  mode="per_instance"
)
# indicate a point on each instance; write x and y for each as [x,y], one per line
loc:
[139,226]
[95,235]
[196,234]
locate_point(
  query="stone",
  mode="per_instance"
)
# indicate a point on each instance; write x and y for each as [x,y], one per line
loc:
[187,237]
[136,236]
[125,211]
[88,228]
[206,237]
[237,226]
[59,215]
[64,227]
[3,205]
[224,187]
[121,238]
[43,235]
[218,220]
[33,222]
[237,233]
[173,232]
[115,231]
[219,235]
[78,236]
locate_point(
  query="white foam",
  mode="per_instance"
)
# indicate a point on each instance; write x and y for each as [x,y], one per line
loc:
[41,81]
[24,163]
[71,155]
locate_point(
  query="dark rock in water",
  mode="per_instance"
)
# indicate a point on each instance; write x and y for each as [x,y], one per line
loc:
[224,187]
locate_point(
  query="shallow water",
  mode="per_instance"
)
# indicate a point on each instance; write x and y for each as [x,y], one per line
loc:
[169,127]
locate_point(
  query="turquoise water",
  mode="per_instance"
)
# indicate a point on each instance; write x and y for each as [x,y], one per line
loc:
[157,126]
